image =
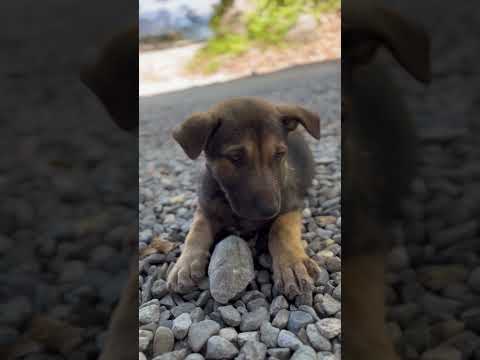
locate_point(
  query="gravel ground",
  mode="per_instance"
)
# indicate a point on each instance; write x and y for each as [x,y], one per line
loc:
[66,184]
[258,323]
[64,248]
[434,283]
[434,292]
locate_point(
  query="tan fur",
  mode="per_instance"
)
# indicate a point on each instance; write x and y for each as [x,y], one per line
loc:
[363,308]
[190,267]
[292,268]
[124,318]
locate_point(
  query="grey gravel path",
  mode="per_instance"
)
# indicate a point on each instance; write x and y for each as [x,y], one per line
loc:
[258,323]
[66,178]
[435,268]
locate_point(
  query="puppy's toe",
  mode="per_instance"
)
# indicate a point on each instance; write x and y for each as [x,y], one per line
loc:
[303,278]
[291,288]
[185,282]
[312,268]
[198,269]
[188,270]
[277,279]
[285,281]
[295,277]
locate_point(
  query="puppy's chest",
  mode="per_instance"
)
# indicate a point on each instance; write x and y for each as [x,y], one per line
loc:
[232,224]
[245,228]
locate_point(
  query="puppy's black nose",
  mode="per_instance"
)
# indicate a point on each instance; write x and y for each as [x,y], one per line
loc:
[267,210]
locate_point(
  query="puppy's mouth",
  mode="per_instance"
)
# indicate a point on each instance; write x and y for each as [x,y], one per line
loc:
[257,213]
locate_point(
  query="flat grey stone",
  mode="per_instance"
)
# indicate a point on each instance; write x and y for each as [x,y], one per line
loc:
[329,327]
[181,325]
[298,320]
[279,353]
[149,312]
[230,269]
[243,337]
[257,303]
[163,341]
[287,339]
[173,355]
[182,309]
[230,315]
[159,288]
[197,314]
[281,319]
[253,320]
[278,304]
[269,334]
[254,350]
[318,341]
[330,306]
[304,353]
[195,356]
[144,339]
[252,295]
[200,332]
[326,356]
[220,348]
[229,333]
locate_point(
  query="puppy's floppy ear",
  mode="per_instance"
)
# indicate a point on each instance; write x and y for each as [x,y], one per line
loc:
[370,27]
[113,78]
[193,133]
[291,115]
[409,43]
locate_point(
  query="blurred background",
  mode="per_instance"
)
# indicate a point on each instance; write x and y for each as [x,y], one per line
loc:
[191,43]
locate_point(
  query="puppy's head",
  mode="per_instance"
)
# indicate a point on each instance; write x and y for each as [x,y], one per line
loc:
[245,145]
[367,25]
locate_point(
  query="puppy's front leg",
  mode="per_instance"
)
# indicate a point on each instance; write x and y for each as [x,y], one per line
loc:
[119,344]
[293,270]
[363,307]
[190,267]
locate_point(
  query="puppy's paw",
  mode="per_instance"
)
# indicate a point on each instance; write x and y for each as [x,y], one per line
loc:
[295,275]
[188,271]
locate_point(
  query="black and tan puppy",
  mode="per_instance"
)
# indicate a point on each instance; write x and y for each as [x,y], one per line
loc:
[378,157]
[258,168]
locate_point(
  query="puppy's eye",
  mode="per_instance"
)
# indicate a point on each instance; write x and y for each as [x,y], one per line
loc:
[280,154]
[235,157]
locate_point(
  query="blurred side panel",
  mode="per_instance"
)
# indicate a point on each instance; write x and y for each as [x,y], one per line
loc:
[68,178]
[410,180]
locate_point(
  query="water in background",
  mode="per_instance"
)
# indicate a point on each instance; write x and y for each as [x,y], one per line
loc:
[187,18]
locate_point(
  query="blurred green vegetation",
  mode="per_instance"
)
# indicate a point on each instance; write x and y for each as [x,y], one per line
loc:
[266,26]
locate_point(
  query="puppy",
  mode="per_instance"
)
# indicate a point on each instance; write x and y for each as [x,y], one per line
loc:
[258,168]
[378,153]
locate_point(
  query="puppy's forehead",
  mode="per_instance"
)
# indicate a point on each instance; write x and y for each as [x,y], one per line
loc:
[245,110]
[247,118]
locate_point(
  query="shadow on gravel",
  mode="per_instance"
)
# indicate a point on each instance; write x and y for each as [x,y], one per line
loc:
[433,262]
[68,183]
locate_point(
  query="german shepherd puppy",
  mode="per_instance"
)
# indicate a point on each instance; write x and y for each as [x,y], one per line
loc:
[258,167]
